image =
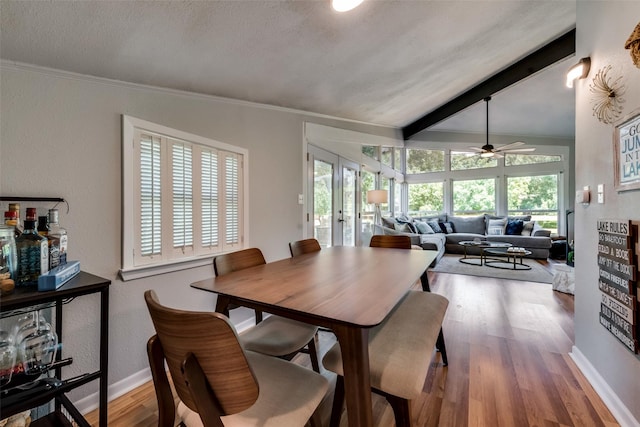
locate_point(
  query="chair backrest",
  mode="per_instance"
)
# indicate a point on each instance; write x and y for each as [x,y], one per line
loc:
[390,241]
[305,246]
[212,339]
[239,260]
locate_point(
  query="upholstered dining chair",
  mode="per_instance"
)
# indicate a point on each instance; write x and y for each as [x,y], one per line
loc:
[397,347]
[404,242]
[219,383]
[305,246]
[275,336]
[390,241]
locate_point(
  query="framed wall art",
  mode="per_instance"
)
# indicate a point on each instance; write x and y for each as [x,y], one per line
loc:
[626,149]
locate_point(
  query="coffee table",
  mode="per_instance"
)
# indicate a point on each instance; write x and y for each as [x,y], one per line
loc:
[507,265]
[483,245]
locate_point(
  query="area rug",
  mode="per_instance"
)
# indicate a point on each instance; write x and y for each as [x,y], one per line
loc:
[450,264]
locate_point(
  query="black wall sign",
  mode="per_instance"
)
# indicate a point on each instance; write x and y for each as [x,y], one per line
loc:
[618,277]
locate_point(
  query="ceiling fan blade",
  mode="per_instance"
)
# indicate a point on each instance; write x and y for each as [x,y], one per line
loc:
[518,150]
[476,149]
[508,146]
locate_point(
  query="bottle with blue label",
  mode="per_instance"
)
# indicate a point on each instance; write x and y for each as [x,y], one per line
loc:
[33,253]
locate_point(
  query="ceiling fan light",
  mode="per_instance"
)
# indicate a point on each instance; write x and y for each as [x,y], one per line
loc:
[487,154]
[578,71]
[345,5]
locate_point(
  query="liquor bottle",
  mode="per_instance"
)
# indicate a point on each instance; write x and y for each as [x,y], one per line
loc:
[53,242]
[11,220]
[33,254]
[60,234]
[15,207]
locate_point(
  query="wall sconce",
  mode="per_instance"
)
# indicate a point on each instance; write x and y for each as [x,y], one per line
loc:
[376,197]
[345,5]
[578,71]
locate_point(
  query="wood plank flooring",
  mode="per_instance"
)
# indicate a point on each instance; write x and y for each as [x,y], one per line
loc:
[508,344]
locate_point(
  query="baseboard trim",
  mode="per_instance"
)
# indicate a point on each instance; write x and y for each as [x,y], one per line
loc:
[90,402]
[124,386]
[618,409]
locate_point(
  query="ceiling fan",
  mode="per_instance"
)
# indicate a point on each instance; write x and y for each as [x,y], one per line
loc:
[488,150]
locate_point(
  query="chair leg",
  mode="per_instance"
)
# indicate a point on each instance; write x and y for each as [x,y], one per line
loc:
[313,354]
[442,348]
[401,410]
[338,402]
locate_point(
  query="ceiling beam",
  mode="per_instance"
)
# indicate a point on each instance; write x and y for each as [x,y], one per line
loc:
[558,49]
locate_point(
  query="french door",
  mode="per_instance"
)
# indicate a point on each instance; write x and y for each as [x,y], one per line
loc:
[333,202]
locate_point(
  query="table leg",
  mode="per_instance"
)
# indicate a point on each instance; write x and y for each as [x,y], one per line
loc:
[354,345]
[222,303]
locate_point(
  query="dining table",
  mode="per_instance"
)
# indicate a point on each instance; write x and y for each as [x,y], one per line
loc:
[346,289]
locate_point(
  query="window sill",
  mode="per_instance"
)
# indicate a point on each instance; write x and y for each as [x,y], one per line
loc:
[154,270]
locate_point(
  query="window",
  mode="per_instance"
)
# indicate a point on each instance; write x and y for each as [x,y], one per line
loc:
[397,159]
[536,196]
[463,161]
[423,161]
[183,199]
[473,197]
[370,151]
[529,159]
[386,157]
[426,198]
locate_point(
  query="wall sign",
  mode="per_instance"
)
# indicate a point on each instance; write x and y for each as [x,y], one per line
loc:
[626,160]
[618,279]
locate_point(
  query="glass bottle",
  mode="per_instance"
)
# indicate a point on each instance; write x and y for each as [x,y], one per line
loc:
[60,234]
[52,242]
[33,255]
[8,255]
[15,207]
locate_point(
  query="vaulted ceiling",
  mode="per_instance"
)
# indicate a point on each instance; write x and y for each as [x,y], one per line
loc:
[386,62]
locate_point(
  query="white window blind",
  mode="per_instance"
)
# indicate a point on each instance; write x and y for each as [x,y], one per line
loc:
[184,197]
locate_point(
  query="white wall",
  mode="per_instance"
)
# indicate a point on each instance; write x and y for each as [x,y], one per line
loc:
[61,136]
[602,29]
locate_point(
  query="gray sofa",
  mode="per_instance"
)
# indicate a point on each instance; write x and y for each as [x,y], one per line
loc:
[443,233]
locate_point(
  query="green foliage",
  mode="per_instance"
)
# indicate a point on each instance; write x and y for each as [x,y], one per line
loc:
[477,196]
[426,198]
[422,161]
[532,193]
[529,159]
[465,162]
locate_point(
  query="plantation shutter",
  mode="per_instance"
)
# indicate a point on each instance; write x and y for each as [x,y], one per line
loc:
[182,195]
[150,196]
[232,197]
[209,199]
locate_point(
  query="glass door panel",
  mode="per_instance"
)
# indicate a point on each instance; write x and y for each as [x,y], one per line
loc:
[349,206]
[323,202]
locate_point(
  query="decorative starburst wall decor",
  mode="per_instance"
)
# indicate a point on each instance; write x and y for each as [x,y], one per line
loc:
[607,97]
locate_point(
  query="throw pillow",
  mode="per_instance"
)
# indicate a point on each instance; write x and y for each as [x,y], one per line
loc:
[514,227]
[495,227]
[388,222]
[402,219]
[527,228]
[404,228]
[446,227]
[423,227]
[435,226]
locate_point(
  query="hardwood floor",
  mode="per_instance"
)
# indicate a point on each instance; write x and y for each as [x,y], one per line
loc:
[508,344]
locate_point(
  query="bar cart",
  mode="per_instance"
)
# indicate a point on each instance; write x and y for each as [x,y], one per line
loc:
[54,388]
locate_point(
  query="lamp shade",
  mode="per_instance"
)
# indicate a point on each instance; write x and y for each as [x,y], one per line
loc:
[578,71]
[377,196]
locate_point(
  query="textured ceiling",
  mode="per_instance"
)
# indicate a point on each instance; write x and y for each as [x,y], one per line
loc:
[386,62]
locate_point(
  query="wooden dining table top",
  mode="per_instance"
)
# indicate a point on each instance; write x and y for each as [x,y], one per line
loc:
[352,285]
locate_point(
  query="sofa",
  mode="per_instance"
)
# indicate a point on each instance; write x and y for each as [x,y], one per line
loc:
[443,233]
